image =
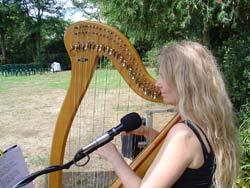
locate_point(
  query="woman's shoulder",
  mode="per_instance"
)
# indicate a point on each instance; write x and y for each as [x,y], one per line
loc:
[182,136]
[183,139]
[180,130]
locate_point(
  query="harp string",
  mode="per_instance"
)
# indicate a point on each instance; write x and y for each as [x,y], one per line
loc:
[125,101]
[97,110]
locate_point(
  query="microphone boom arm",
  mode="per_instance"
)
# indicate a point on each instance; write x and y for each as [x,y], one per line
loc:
[78,156]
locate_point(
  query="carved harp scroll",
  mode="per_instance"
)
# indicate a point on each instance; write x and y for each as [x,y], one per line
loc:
[85,42]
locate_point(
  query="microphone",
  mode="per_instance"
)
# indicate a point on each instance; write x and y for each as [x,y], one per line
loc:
[128,123]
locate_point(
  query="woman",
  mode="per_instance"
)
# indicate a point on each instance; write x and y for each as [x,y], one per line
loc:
[202,150]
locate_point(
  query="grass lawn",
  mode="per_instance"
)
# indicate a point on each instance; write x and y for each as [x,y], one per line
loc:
[29,107]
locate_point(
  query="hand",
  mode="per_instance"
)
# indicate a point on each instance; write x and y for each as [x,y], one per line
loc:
[139,131]
[145,131]
[108,151]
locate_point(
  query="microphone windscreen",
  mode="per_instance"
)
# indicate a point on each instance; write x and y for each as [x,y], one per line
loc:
[131,121]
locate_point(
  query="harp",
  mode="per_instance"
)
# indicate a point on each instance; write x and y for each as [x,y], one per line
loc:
[87,43]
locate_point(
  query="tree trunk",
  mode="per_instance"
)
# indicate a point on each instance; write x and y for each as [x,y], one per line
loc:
[38,38]
[38,45]
[206,35]
[2,45]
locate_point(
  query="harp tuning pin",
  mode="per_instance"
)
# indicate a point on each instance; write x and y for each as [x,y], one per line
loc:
[76,47]
[120,58]
[156,95]
[104,48]
[153,96]
[124,63]
[107,50]
[89,46]
[133,74]
[114,53]
[141,87]
[129,68]
[85,46]
[72,48]
[82,46]
[100,47]
[110,51]
[96,47]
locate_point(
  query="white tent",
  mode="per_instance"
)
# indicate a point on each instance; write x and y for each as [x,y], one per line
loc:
[55,67]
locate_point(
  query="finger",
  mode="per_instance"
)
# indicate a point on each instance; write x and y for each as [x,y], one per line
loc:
[125,133]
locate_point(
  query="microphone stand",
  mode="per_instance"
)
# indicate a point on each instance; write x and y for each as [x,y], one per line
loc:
[78,156]
[131,119]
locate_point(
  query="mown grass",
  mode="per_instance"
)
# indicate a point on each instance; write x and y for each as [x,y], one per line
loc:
[42,81]
[102,79]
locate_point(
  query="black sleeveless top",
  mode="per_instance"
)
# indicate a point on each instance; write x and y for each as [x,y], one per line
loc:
[201,177]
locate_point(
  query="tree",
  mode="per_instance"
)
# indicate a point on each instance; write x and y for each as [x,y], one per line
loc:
[21,22]
[9,13]
[159,21]
[38,10]
[53,44]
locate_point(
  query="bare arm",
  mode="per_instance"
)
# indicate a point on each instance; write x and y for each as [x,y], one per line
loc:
[123,171]
[173,158]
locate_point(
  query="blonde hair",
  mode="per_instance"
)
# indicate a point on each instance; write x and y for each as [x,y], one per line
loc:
[203,99]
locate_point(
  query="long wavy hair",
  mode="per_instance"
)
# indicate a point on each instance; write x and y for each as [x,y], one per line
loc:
[203,99]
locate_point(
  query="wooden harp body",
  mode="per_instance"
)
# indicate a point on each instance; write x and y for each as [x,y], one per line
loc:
[86,42]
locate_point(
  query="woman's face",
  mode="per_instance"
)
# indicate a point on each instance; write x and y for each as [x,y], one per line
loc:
[167,89]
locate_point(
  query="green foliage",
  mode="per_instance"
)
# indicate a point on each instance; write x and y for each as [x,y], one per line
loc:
[235,64]
[244,180]
[150,58]
[235,56]
[53,28]
[25,27]
[39,59]
[161,21]
[9,21]
[54,51]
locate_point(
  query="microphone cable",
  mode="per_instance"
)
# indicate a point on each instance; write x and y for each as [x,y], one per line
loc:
[78,156]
